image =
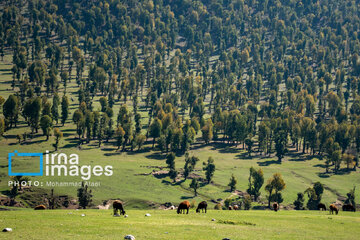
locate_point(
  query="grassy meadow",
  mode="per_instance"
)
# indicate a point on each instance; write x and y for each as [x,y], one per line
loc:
[132,181]
[100,224]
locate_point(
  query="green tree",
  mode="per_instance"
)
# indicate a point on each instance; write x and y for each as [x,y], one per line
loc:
[84,196]
[256,180]
[194,185]
[299,202]
[11,110]
[173,174]
[207,131]
[78,118]
[58,135]
[314,194]
[55,108]
[348,159]
[46,125]
[247,202]
[64,109]
[351,197]
[119,135]
[232,183]
[155,130]
[189,166]
[274,186]
[139,140]
[170,160]
[209,169]
[2,127]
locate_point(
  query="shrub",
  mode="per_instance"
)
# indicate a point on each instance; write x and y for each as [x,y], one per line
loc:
[218,206]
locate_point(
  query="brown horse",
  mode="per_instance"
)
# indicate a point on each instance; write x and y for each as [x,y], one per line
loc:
[321,207]
[348,207]
[276,206]
[333,209]
[40,207]
[236,207]
[202,206]
[185,205]
[230,208]
[118,206]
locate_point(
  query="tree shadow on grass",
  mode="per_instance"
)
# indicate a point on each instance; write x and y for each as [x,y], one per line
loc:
[156,156]
[166,182]
[142,150]
[186,197]
[4,166]
[302,158]
[320,165]
[5,192]
[244,155]
[109,154]
[108,149]
[34,142]
[268,163]
[324,175]
[70,145]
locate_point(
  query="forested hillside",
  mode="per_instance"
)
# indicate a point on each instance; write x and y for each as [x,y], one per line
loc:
[267,79]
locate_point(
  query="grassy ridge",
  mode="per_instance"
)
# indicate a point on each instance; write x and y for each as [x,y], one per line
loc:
[129,184]
[168,225]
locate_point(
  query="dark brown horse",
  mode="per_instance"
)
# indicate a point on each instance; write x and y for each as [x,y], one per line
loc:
[40,207]
[185,205]
[333,209]
[202,206]
[118,206]
[276,206]
[348,207]
[321,207]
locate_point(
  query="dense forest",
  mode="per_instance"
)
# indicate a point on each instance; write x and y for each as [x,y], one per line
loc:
[265,76]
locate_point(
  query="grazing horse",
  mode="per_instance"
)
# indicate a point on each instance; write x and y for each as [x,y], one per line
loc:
[185,205]
[202,206]
[333,209]
[118,205]
[40,207]
[321,207]
[276,206]
[348,207]
[236,207]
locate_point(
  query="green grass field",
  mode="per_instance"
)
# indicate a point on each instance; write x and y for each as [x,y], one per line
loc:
[132,181]
[100,224]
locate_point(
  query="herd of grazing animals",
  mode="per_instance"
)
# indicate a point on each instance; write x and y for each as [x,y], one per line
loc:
[185,206]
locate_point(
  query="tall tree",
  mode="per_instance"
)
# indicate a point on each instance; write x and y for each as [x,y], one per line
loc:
[11,110]
[274,186]
[64,109]
[232,183]
[256,180]
[209,169]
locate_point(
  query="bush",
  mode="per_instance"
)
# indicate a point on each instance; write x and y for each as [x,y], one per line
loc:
[299,202]
[247,202]
[218,206]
